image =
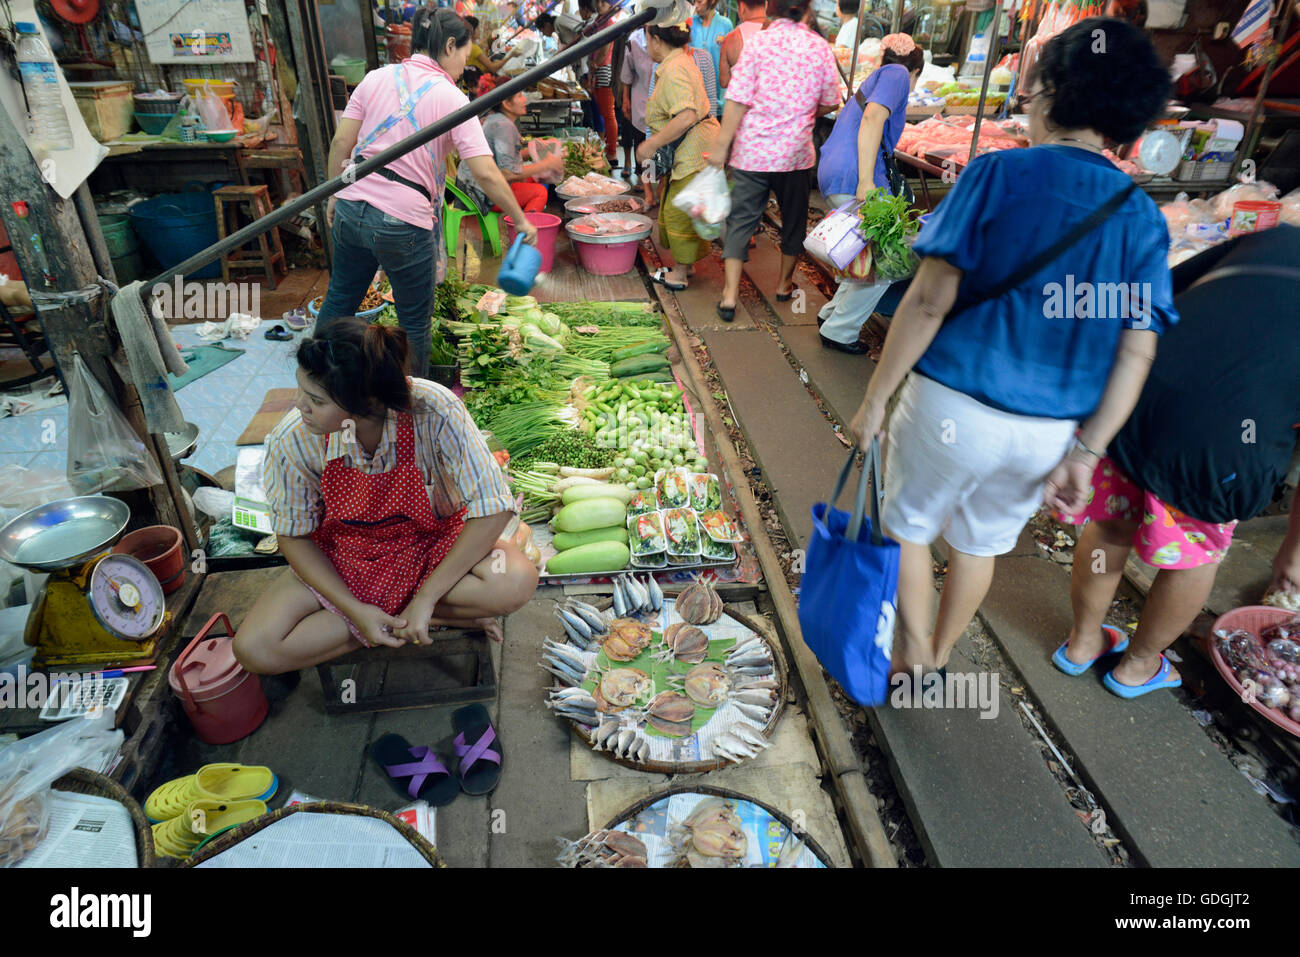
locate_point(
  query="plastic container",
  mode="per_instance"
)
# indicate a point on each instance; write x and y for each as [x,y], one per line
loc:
[175,226]
[118,235]
[164,104]
[153,123]
[222,700]
[40,75]
[548,229]
[609,255]
[160,547]
[397,37]
[1253,216]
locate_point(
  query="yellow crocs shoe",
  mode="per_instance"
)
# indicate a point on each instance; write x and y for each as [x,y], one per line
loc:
[202,819]
[217,782]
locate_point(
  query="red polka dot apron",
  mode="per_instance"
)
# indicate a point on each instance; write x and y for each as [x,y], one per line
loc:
[380,531]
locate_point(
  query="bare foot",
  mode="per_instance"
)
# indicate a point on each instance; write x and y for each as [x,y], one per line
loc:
[1135,671]
[492,626]
[1082,649]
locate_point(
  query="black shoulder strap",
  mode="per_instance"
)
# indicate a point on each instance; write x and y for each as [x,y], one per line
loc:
[1032,266]
[1259,270]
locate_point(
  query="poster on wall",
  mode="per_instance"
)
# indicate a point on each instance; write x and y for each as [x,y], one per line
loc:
[193,33]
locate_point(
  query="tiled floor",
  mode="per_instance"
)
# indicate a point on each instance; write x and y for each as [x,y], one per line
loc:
[220,404]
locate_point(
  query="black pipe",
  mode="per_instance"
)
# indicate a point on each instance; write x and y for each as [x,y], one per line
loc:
[470,110]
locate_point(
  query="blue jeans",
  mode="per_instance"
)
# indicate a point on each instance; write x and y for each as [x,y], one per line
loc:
[366,238]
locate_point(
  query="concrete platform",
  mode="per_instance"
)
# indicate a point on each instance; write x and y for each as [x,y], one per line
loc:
[699,300]
[838,378]
[764,268]
[787,434]
[1175,799]
[977,789]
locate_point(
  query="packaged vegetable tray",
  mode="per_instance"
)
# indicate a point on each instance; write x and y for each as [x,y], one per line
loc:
[673,488]
[718,527]
[706,493]
[646,533]
[682,531]
[645,500]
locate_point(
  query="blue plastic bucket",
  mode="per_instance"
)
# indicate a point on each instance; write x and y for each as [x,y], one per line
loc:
[175,226]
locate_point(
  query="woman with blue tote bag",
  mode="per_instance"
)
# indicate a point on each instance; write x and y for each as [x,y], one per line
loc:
[850,581]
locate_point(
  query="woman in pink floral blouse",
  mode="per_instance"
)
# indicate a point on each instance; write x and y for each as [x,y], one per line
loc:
[785,78]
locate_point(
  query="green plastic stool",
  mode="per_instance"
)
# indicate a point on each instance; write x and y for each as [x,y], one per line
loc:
[489,222]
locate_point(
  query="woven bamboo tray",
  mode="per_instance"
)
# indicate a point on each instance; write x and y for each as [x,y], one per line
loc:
[706,789]
[83,781]
[713,764]
[236,835]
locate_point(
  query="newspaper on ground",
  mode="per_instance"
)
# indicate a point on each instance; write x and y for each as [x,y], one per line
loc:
[419,814]
[313,839]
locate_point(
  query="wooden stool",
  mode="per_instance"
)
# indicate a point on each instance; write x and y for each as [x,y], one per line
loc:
[254,202]
[369,684]
[289,174]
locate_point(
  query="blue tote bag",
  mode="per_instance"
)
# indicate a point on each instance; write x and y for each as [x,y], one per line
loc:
[850,586]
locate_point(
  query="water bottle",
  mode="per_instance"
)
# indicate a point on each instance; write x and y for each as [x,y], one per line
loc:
[51,130]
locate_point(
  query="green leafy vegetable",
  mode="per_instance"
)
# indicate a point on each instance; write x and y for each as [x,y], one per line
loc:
[888,223]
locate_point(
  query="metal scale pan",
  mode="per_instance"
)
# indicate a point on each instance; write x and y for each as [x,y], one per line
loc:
[63,534]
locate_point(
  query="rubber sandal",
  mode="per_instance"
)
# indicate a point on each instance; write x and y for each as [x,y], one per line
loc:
[480,762]
[427,776]
[201,820]
[296,319]
[660,276]
[1160,680]
[726,313]
[213,782]
[1118,643]
[279,333]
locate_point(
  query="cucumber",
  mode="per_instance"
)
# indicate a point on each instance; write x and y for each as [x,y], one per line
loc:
[661,376]
[593,491]
[563,541]
[639,367]
[649,347]
[594,557]
[591,513]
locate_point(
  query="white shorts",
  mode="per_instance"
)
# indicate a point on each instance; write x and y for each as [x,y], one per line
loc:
[964,470]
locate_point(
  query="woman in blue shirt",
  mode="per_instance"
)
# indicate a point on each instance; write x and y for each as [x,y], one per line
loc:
[1013,398]
[853,164]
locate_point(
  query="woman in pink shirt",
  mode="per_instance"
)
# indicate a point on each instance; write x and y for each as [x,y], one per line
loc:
[392,217]
[785,78]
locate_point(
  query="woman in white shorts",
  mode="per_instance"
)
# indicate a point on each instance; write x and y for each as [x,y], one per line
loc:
[1015,395]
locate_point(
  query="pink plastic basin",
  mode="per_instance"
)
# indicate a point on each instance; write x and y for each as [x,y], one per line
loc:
[548,228]
[606,259]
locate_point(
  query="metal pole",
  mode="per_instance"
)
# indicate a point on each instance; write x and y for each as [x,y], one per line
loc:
[898,17]
[328,188]
[1255,126]
[989,59]
[853,61]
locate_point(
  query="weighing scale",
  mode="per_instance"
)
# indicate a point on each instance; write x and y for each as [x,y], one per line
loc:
[96,608]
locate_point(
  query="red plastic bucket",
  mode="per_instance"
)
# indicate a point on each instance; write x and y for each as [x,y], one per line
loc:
[160,548]
[222,700]
[548,228]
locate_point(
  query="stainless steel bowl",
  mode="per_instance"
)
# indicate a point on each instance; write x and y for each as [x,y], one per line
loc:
[181,444]
[63,533]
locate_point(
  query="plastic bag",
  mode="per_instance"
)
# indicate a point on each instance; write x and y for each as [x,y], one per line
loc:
[540,150]
[707,200]
[30,766]
[837,240]
[1259,191]
[212,111]
[104,453]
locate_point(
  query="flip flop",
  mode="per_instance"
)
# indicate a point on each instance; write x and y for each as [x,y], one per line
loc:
[726,313]
[661,277]
[1161,679]
[1118,643]
[427,777]
[480,761]
[296,319]
[279,333]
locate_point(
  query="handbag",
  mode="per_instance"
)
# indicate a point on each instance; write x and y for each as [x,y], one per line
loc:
[893,173]
[847,601]
[666,155]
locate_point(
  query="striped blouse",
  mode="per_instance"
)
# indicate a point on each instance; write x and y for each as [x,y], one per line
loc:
[458,468]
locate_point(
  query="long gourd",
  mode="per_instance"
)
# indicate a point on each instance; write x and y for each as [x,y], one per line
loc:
[596,557]
[649,347]
[580,493]
[638,366]
[590,513]
[563,541]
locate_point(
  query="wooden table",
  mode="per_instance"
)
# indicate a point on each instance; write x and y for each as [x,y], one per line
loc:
[168,166]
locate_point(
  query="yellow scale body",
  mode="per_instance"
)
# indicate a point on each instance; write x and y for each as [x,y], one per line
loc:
[66,631]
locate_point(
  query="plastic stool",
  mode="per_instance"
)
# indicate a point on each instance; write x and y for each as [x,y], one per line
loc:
[489,222]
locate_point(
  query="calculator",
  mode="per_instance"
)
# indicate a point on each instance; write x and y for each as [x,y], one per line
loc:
[76,699]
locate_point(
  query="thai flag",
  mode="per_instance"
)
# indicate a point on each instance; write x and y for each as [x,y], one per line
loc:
[1252,26]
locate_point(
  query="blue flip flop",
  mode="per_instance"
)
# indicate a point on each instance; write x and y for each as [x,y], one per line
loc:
[1160,680]
[1118,643]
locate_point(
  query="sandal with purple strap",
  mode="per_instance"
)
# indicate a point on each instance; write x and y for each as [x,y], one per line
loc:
[415,773]
[479,750]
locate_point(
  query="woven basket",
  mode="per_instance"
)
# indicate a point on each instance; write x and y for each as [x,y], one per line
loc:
[236,835]
[82,781]
[1254,619]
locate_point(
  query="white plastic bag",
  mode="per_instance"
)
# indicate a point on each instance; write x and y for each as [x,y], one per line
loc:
[29,767]
[104,453]
[707,200]
[838,238]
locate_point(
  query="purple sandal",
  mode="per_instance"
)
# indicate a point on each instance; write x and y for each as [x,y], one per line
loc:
[426,778]
[480,762]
